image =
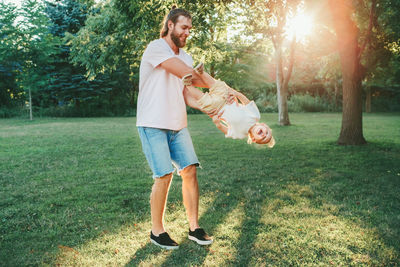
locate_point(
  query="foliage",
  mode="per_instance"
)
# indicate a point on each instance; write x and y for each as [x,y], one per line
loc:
[269,19]
[10,62]
[69,86]
[12,112]
[308,103]
[96,64]
[37,46]
[118,35]
[267,103]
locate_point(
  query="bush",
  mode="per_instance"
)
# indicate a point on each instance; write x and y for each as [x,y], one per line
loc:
[85,111]
[308,103]
[6,112]
[296,103]
[190,110]
[385,104]
[267,103]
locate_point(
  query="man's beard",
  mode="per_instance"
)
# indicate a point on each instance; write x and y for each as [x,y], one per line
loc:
[176,40]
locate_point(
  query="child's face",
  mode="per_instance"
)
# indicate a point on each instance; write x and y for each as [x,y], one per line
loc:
[261,133]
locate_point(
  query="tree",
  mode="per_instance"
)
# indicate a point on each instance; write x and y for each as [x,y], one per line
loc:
[10,93]
[352,72]
[269,19]
[38,46]
[68,84]
[115,38]
[381,59]
[111,43]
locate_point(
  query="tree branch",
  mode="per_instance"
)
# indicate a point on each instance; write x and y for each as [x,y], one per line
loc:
[291,61]
[370,26]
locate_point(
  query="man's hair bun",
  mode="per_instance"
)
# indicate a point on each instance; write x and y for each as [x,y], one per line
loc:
[173,7]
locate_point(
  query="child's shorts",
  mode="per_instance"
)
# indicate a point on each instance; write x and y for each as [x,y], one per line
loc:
[215,99]
[165,148]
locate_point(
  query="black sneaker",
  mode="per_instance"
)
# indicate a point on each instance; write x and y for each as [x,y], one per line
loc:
[163,240]
[200,237]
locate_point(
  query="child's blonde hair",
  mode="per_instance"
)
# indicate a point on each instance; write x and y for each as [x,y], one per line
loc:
[270,144]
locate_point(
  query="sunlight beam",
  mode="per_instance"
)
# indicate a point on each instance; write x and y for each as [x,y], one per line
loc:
[299,26]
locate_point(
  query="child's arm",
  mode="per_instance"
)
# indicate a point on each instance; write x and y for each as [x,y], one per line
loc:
[194,92]
[243,99]
[217,121]
[191,95]
[205,79]
[190,98]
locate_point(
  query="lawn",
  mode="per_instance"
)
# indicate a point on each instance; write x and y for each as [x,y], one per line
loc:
[75,192]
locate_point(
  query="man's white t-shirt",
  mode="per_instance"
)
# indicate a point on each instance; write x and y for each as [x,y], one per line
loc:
[160,100]
[240,118]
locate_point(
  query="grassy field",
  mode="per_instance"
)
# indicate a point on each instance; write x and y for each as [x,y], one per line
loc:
[75,192]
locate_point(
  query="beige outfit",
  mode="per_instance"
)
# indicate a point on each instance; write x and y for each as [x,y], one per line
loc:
[239,118]
[216,98]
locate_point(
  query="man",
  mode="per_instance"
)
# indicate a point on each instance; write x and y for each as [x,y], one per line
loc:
[162,125]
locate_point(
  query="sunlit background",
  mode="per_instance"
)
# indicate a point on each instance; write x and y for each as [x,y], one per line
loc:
[299,26]
[76,184]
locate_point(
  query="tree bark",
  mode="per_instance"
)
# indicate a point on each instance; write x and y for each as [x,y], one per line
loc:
[30,105]
[336,93]
[346,30]
[281,88]
[212,70]
[368,100]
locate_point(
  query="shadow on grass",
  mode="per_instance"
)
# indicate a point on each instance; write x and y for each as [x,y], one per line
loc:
[216,215]
[336,186]
[370,190]
[249,230]
[143,253]
[210,220]
[361,181]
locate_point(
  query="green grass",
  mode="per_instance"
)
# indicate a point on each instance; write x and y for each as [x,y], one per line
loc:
[75,192]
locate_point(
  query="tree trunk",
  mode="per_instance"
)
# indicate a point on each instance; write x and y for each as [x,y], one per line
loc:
[336,93]
[346,30]
[78,104]
[30,105]
[212,70]
[368,100]
[281,88]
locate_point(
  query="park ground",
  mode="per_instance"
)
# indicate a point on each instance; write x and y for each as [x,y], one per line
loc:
[75,192]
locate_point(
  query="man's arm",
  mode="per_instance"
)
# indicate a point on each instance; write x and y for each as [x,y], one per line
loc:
[179,68]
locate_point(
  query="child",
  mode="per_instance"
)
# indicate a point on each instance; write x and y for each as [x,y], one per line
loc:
[235,120]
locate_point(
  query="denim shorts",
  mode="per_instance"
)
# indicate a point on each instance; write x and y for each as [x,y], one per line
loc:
[165,148]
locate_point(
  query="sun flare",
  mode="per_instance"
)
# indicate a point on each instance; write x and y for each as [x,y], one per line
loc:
[299,26]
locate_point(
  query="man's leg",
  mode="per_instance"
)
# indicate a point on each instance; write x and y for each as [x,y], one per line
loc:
[184,156]
[158,201]
[190,193]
